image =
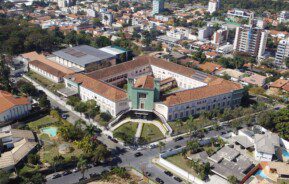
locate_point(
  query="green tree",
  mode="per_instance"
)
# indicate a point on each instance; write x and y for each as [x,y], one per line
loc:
[33,159]
[193,146]
[4,75]
[233,180]
[162,146]
[4,177]
[80,107]
[57,160]
[44,102]
[73,100]
[81,164]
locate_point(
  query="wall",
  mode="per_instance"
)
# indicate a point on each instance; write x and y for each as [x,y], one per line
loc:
[45,74]
[15,112]
[173,168]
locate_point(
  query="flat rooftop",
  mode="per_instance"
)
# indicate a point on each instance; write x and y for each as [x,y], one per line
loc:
[83,55]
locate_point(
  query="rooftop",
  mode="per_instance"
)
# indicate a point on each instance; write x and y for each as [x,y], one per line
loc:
[8,101]
[83,55]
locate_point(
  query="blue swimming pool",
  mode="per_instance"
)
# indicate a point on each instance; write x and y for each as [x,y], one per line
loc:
[261,173]
[285,153]
[51,131]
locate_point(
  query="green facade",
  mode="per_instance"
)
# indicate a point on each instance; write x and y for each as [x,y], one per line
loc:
[142,98]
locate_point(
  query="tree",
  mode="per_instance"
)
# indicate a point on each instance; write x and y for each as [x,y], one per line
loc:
[101,41]
[4,177]
[81,164]
[233,180]
[161,146]
[193,146]
[73,100]
[36,178]
[4,75]
[33,159]
[286,61]
[57,160]
[44,102]
[100,153]
[80,107]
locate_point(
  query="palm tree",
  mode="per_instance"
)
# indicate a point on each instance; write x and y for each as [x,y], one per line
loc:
[161,145]
[191,126]
[90,130]
[58,159]
[81,164]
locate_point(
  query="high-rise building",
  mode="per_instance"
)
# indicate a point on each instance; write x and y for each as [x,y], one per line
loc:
[220,37]
[213,6]
[282,52]
[251,40]
[158,6]
[65,3]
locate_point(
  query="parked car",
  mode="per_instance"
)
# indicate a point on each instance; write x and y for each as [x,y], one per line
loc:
[64,116]
[104,172]
[82,178]
[75,170]
[168,173]
[66,173]
[177,146]
[152,146]
[148,174]
[178,179]
[94,175]
[178,138]
[160,181]
[114,140]
[56,176]
[138,154]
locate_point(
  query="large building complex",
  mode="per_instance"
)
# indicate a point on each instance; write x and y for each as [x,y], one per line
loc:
[213,6]
[158,6]
[250,40]
[148,80]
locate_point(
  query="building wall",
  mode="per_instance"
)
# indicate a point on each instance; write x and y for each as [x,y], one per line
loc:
[67,63]
[45,74]
[15,113]
[182,81]
[262,156]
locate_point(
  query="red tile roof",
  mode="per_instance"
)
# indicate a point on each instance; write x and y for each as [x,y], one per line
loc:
[8,101]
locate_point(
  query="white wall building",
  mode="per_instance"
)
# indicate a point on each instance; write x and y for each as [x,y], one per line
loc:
[12,107]
[282,52]
[213,6]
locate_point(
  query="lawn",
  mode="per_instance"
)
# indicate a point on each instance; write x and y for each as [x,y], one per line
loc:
[51,86]
[50,150]
[182,163]
[126,132]
[129,128]
[151,133]
[42,122]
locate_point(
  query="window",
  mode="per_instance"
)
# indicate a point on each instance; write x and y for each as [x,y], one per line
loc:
[142,105]
[142,95]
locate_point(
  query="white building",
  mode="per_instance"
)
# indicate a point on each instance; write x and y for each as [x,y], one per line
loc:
[283,16]
[213,6]
[251,40]
[179,33]
[198,91]
[158,6]
[205,33]
[64,3]
[282,52]
[12,107]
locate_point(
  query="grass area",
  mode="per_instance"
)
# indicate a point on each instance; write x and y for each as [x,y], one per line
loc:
[151,133]
[50,150]
[42,122]
[127,128]
[51,86]
[182,163]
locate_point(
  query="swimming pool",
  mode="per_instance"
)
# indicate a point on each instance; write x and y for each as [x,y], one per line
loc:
[51,131]
[261,173]
[285,153]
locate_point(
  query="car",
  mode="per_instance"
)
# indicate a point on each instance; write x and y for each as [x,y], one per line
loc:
[104,172]
[138,154]
[64,116]
[159,180]
[152,146]
[88,166]
[75,170]
[148,174]
[114,140]
[168,173]
[94,175]
[178,179]
[82,178]
[178,138]
[177,146]
[66,173]
[56,176]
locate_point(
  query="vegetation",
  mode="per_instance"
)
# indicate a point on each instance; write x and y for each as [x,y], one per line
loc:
[42,122]
[151,133]
[126,132]
[4,177]
[276,121]
[233,180]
